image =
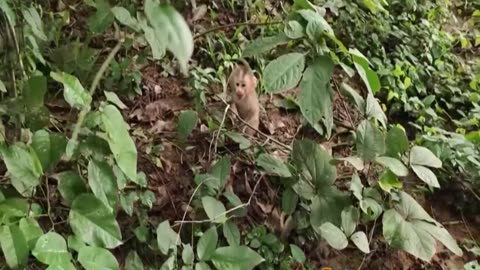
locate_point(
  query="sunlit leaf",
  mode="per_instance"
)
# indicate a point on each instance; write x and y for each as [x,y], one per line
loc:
[426,175]
[119,140]
[284,72]
[51,249]
[374,110]
[395,165]
[33,19]
[31,231]
[14,246]
[166,237]
[263,45]
[95,258]
[94,222]
[102,182]
[360,240]
[49,148]
[74,93]
[124,17]
[293,30]
[423,156]
[236,257]
[297,253]
[114,99]
[389,181]
[207,244]
[369,77]
[231,233]
[333,235]
[215,209]
[350,218]
[370,141]
[396,142]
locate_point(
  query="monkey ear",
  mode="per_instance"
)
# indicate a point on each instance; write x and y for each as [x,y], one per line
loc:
[254,80]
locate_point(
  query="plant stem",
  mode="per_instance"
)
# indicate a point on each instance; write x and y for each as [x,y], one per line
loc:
[96,81]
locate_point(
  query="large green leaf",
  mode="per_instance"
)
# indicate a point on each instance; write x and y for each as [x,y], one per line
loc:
[14,246]
[236,258]
[95,258]
[74,93]
[426,175]
[321,25]
[188,256]
[423,156]
[23,165]
[289,201]
[327,207]
[133,261]
[350,218]
[34,92]
[49,148]
[186,123]
[231,233]
[284,72]
[263,45]
[168,21]
[333,235]
[13,208]
[294,30]
[124,17]
[70,185]
[315,97]
[388,181]
[215,209]
[207,244]
[396,142]
[360,240]
[441,234]
[374,110]
[119,140]
[395,165]
[314,161]
[370,141]
[9,13]
[34,20]
[166,237]
[51,249]
[273,166]
[157,44]
[31,231]
[102,182]
[221,170]
[62,266]
[369,77]
[93,222]
[102,18]
[297,253]
[353,96]
[402,234]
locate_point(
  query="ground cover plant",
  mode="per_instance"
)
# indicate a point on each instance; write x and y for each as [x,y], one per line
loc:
[120,150]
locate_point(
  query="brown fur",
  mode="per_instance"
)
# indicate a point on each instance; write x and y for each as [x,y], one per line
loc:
[242,83]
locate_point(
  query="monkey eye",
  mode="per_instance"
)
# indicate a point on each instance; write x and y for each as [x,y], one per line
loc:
[237,84]
[243,85]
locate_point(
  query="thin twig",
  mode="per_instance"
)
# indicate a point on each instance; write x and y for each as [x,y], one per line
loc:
[350,119]
[369,241]
[226,212]
[218,132]
[96,81]
[233,25]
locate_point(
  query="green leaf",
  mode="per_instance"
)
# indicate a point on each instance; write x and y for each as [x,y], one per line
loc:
[119,140]
[319,24]
[293,30]
[33,19]
[240,139]
[236,258]
[75,243]
[314,161]
[374,110]
[303,4]
[273,166]
[284,72]
[186,123]
[207,244]
[187,254]
[327,206]
[395,165]
[3,89]
[34,92]
[14,246]
[215,209]
[9,13]
[13,208]
[49,148]
[62,266]
[31,231]
[23,166]
[158,45]
[297,254]
[70,185]
[147,198]
[316,94]
[371,208]
[334,236]
[426,175]
[263,45]
[404,235]
[123,16]
[289,201]
[221,170]
[353,96]
[102,19]
[350,217]
[389,181]
[167,21]
[423,156]
[114,99]
[369,77]
[441,234]
[231,233]
[133,261]
[166,237]
[370,141]
[95,258]
[94,222]
[202,266]
[51,249]
[396,142]
[74,93]
[127,201]
[102,182]
[360,240]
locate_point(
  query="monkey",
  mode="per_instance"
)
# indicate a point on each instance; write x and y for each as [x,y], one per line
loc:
[243,83]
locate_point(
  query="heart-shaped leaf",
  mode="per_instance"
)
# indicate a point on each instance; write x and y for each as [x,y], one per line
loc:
[51,249]
[284,72]
[96,258]
[236,257]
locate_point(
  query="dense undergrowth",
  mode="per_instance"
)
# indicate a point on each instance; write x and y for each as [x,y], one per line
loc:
[395,83]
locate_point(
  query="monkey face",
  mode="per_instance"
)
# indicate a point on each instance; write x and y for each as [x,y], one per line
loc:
[244,85]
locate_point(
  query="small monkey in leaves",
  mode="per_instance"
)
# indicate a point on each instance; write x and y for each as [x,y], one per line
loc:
[243,83]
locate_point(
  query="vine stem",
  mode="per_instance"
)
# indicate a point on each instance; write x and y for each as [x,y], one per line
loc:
[96,81]
[213,29]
